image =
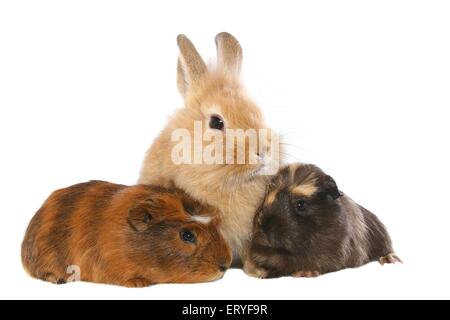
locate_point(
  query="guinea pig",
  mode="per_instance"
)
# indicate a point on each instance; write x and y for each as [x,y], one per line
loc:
[129,236]
[307,227]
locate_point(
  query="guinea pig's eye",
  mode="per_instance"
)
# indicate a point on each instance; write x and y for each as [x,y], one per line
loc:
[300,205]
[216,123]
[188,236]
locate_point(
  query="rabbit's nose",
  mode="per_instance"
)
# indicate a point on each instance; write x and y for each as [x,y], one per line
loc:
[261,158]
[264,158]
[261,152]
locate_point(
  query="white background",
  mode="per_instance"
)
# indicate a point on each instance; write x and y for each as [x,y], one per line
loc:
[360,88]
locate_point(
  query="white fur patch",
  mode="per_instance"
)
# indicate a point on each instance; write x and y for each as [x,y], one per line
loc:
[202,220]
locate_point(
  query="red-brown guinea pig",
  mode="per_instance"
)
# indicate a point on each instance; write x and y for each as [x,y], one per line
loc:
[307,227]
[128,236]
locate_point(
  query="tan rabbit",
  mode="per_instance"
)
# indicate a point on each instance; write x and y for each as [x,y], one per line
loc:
[214,97]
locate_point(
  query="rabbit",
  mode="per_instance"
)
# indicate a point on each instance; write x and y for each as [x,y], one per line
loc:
[215,98]
[306,227]
[128,236]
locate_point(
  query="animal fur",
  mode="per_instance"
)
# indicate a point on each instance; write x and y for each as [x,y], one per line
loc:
[128,236]
[328,233]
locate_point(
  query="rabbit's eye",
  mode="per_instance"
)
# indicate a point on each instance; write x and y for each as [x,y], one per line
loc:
[188,236]
[300,205]
[216,123]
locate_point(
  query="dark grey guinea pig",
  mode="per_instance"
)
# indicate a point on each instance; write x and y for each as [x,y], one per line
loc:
[307,227]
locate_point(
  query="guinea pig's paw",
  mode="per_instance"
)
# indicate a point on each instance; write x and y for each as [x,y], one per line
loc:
[50,277]
[390,258]
[138,283]
[306,274]
[253,271]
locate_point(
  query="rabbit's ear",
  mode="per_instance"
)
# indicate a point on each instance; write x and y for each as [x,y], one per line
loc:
[190,65]
[229,53]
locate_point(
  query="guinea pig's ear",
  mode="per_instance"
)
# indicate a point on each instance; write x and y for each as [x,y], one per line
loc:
[331,187]
[140,216]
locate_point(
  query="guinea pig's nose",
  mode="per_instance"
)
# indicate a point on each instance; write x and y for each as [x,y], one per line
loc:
[223,267]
